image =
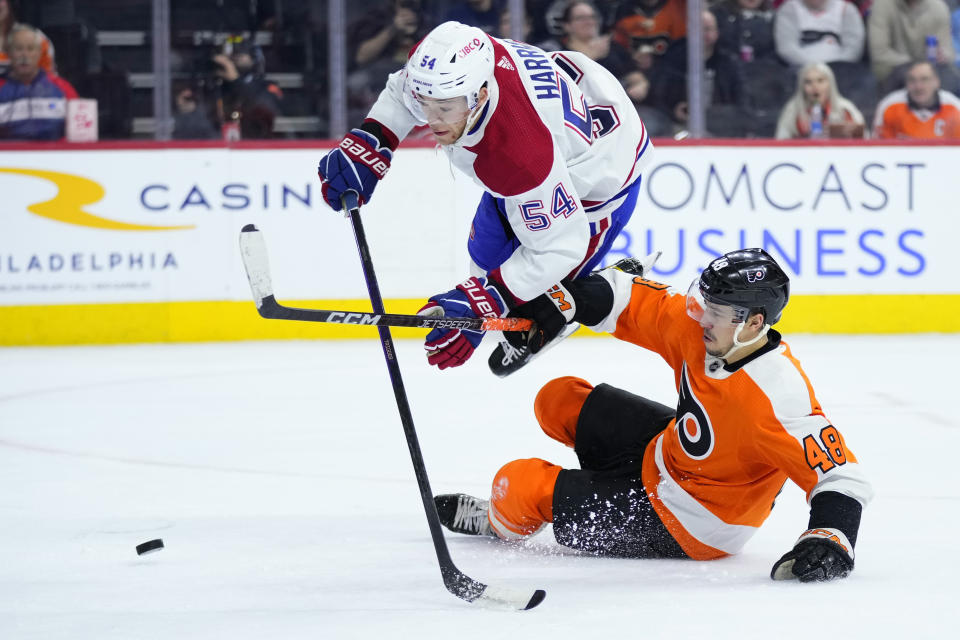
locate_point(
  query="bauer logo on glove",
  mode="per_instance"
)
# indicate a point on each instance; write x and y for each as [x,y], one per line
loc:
[357,164]
[360,151]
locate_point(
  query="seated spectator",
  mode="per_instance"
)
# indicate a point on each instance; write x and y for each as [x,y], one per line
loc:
[655,120]
[385,38]
[246,92]
[817,96]
[33,103]
[388,31]
[898,31]
[190,120]
[7,22]
[503,31]
[818,31]
[746,29]
[581,28]
[722,83]
[921,111]
[241,92]
[484,14]
[653,23]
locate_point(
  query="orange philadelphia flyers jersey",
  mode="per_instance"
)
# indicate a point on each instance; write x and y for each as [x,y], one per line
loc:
[740,431]
[895,119]
[655,27]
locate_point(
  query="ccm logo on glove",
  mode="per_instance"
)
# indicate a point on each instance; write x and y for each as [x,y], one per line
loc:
[559,298]
[357,149]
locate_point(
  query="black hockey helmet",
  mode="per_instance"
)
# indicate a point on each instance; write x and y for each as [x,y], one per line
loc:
[748,279]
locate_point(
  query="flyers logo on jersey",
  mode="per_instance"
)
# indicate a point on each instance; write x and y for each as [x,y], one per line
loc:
[693,424]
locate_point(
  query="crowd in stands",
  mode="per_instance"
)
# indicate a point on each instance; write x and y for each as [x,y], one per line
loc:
[772,68]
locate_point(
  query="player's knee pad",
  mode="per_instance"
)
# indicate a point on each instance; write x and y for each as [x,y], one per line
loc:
[521,499]
[558,405]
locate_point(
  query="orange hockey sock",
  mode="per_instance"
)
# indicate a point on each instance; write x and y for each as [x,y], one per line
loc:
[558,405]
[521,500]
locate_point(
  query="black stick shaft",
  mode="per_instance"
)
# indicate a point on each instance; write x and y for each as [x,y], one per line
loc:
[455,581]
[270,308]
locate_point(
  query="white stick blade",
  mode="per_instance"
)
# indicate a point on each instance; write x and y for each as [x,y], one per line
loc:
[253,252]
[514,599]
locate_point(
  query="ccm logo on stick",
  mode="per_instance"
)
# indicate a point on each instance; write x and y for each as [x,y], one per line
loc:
[353,318]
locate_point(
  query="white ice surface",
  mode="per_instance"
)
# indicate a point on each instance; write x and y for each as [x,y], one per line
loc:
[278,476]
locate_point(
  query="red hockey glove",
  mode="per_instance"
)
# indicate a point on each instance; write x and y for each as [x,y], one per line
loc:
[473,298]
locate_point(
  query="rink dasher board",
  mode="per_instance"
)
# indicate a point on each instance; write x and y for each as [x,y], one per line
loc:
[140,244]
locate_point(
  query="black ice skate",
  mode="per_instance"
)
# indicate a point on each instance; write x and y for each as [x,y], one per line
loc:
[461,513]
[506,358]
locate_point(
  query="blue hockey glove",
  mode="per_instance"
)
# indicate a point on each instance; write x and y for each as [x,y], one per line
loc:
[358,164]
[474,298]
[818,555]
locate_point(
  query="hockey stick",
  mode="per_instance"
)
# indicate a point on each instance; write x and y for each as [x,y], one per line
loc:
[253,251]
[456,582]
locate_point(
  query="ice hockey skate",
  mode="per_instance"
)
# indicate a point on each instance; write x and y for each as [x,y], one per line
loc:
[461,513]
[507,358]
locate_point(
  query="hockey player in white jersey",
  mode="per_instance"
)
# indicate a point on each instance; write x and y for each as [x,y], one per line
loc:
[552,139]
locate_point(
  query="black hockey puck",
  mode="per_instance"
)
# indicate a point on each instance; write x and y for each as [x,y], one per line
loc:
[149,546]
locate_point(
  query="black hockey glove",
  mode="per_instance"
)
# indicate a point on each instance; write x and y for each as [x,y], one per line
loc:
[550,312]
[586,300]
[818,555]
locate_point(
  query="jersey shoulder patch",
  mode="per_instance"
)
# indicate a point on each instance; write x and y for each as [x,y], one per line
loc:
[515,153]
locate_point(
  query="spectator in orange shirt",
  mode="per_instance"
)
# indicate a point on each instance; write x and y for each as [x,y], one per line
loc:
[921,111]
[7,22]
[653,23]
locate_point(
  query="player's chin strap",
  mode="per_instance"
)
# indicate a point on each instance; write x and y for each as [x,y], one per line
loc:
[736,338]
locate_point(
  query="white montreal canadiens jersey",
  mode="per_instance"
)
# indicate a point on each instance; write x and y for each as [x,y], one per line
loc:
[559,141]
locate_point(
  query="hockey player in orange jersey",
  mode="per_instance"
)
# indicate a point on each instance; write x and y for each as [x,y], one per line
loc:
[698,480]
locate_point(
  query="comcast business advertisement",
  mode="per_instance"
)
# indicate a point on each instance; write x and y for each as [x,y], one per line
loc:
[841,220]
[159,225]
